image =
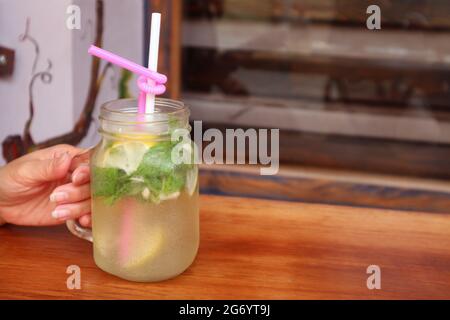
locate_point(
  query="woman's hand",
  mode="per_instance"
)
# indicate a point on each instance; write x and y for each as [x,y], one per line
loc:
[45,187]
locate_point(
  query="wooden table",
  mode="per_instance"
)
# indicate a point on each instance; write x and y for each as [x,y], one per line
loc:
[254,249]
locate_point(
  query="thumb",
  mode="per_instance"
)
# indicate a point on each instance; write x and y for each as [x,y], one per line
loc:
[49,169]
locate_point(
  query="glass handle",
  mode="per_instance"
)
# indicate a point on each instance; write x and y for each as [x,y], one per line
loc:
[78,230]
[72,225]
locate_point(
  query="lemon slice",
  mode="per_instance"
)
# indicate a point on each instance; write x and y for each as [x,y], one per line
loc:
[125,155]
[146,244]
[148,139]
[191,180]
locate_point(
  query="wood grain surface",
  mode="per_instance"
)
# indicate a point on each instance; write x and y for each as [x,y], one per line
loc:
[254,249]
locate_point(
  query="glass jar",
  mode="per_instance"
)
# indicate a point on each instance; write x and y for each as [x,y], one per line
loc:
[145,214]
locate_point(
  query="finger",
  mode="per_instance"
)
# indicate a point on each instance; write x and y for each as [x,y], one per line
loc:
[54,152]
[72,210]
[81,158]
[81,175]
[37,171]
[70,193]
[85,221]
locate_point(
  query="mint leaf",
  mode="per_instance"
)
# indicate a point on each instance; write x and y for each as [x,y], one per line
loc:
[160,174]
[154,184]
[157,161]
[107,181]
[156,172]
[174,182]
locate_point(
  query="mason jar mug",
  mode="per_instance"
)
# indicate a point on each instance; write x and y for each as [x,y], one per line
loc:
[145,214]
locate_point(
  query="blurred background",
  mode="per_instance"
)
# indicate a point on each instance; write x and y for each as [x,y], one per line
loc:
[363,114]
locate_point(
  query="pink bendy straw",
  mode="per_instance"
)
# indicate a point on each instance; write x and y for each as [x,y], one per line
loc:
[126,64]
[150,82]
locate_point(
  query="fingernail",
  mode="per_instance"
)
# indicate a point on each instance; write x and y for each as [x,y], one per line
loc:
[80,177]
[61,213]
[59,196]
[88,219]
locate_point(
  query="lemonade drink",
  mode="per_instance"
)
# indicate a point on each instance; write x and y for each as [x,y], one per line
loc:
[144,205]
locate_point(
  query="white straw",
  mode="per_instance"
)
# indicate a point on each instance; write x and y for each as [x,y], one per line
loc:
[153,58]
